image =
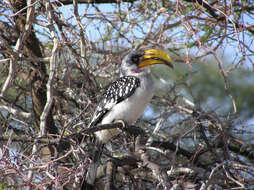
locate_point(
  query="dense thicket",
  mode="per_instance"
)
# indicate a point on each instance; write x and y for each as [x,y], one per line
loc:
[56,58]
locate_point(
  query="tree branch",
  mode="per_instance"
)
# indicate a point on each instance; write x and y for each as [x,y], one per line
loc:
[16,112]
[157,170]
[52,70]
[67,2]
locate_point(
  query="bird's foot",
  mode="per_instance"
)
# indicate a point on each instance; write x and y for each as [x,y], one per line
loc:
[122,122]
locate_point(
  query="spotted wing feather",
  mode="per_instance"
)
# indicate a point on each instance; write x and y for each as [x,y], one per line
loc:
[116,92]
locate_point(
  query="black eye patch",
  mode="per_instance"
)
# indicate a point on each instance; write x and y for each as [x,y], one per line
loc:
[135,59]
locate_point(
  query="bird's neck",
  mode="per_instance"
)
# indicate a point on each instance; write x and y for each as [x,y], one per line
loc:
[136,72]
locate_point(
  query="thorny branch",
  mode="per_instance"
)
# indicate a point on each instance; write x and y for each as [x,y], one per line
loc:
[140,150]
[181,145]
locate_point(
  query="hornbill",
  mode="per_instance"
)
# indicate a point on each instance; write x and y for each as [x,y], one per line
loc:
[125,99]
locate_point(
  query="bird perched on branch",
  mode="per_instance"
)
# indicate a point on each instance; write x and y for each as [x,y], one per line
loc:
[125,99]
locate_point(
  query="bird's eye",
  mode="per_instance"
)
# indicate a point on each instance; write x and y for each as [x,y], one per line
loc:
[135,59]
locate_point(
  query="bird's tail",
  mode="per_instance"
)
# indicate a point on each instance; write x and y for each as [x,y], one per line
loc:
[90,177]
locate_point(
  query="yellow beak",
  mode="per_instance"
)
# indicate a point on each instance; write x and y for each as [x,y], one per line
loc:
[154,56]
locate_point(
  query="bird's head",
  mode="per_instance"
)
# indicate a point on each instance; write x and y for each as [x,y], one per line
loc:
[136,61]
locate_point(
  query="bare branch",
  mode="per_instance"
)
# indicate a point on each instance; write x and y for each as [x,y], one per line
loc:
[52,70]
[66,2]
[157,170]
[55,62]
[16,112]
[9,78]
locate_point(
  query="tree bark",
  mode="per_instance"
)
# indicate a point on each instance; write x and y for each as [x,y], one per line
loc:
[38,75]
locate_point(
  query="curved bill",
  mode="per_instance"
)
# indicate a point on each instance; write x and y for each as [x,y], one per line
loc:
[154,56]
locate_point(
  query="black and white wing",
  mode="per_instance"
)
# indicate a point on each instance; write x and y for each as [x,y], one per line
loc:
[116,92]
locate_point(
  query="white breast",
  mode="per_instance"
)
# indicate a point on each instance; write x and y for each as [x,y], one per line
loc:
[130,109]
